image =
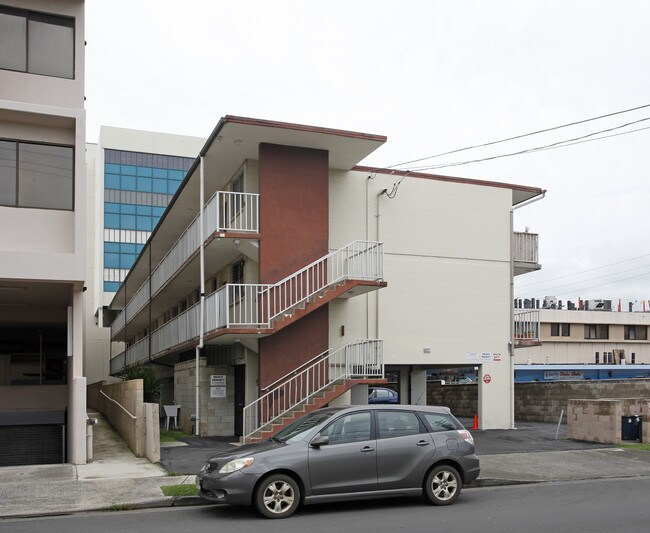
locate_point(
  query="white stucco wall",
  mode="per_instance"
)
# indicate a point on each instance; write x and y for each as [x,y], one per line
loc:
[447,265]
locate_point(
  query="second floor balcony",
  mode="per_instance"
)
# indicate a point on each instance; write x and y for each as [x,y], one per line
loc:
[525,250]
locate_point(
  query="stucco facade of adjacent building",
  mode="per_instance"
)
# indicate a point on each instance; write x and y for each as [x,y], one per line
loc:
[132,177]
[280,260]
[43,236]
[589,337]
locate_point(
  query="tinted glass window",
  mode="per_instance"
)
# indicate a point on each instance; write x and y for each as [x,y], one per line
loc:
[45,176]
[397,424]
[51,49]
[13,42]
[440,422]
[7,172]
[354,427]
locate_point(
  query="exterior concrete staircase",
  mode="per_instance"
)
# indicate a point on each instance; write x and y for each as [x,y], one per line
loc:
[312,385]
[321,399]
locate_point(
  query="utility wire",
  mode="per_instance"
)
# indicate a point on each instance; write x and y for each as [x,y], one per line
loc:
[602,284]
[521,136]
[557,144]
[552,289]
[585,271]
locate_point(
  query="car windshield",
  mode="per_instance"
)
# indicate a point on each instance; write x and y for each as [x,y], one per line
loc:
[295,430]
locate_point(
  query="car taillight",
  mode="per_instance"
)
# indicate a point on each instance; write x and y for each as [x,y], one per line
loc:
[466,436]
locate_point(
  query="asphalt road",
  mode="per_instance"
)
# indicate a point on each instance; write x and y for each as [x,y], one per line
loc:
[600,506]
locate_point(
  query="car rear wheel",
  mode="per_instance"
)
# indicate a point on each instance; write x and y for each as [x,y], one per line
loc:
[443,485]
[277,496]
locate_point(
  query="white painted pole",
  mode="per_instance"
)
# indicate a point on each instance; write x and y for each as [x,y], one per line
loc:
[558,424]
[202,295]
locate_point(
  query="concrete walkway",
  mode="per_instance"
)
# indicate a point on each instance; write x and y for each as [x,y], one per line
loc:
[115,479]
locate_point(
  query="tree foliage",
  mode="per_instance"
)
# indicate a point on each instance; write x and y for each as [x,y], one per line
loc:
[151,381]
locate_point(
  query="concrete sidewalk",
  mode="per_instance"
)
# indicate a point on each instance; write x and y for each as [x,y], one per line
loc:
[118,480]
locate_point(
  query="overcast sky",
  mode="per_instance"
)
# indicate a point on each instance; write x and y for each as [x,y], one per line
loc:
[432,76]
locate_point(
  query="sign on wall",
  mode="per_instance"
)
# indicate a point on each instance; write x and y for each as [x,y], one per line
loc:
[217,380]
[563,374]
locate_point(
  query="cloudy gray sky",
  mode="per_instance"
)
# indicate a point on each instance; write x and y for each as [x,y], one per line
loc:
[433,76]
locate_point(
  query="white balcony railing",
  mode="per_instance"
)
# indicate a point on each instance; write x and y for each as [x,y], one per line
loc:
[358,359]
[526,325]
[225,211]
[257,306]
[525,247]
[139,300]
[178,330]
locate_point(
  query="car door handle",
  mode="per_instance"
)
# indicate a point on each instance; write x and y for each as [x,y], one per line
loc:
[366,449]
[422,443]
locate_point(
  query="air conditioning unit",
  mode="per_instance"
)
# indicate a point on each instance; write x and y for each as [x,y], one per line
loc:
[598,305]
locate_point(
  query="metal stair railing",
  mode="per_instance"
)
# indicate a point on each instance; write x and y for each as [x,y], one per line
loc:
[357,359]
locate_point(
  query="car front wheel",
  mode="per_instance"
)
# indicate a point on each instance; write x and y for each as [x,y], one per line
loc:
[443,485]
[277,496]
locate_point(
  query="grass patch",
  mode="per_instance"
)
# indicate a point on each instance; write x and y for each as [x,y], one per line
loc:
[173,436]
[639,446]
[180,490]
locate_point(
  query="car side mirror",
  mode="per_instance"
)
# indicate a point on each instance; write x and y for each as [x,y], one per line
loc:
[319,441]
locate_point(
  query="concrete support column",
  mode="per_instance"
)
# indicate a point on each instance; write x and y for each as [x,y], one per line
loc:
[76,422]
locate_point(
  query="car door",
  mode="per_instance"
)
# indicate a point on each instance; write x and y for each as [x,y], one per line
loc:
[348,463]
[404,450]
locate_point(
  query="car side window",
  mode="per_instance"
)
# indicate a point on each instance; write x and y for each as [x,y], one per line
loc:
[397,424]
[354,427]
[440,422]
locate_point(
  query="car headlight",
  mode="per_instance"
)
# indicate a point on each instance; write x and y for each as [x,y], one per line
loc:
[236,464]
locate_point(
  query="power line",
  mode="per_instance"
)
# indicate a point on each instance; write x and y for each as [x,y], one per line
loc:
[585,271]
[557,144]
[553,289]
[521,136]
[603,284]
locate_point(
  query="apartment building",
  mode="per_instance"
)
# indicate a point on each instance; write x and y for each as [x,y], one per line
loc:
[587,336]
[132,177]
[283,271]
[42,240]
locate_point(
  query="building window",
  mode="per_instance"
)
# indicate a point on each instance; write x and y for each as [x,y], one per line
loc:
[36,175]
[636,333]
[36,43]
[558,329]
[596,331]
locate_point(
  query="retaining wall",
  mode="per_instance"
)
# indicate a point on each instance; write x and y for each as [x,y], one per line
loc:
[140,426]
[537,401]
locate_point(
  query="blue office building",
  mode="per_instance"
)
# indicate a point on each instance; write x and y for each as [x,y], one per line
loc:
[137,188]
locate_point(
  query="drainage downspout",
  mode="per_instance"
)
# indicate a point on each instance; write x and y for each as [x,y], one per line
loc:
[202,295]
[511,342]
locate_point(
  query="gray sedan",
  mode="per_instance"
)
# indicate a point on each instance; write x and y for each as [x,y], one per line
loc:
[336,454]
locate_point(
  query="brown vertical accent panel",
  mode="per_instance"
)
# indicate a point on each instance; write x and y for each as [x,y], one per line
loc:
[294,209]
[290,347]
[294,228]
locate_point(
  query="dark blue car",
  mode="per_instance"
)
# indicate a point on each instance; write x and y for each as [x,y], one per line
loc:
[382,395]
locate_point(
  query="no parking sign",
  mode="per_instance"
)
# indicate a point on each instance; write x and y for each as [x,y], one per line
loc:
[487,378]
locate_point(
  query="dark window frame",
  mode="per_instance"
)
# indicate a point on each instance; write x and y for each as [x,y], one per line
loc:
[44,18]
[596,331]
[636,332]
[17,143]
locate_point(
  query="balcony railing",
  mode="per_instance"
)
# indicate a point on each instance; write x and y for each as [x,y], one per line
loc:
[525,247]
[526,325]
[358,359]
[225,211]
[178,330]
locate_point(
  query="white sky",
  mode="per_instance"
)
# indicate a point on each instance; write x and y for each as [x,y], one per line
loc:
[431,75]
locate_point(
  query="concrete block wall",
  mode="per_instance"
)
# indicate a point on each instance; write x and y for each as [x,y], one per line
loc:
[538,401]
[462,399]
[137,422]
[217,413]
[601,420]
